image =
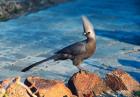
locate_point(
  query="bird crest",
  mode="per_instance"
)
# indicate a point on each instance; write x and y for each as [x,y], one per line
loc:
[88,27]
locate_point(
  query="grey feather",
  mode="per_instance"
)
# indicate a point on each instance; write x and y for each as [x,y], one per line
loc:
[74,49]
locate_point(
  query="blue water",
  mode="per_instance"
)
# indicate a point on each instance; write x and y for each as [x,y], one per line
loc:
[33,37]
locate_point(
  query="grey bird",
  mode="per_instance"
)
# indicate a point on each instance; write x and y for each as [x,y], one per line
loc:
[76,52]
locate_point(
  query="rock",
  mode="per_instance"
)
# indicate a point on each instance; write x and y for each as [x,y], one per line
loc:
[2,91]
[118,80]
[47,88]
[14,88]
[13,8]
[85,84]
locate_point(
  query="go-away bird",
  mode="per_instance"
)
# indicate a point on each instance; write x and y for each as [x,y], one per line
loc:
[76,52]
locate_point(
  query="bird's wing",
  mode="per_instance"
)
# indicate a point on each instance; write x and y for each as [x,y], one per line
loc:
[74,49]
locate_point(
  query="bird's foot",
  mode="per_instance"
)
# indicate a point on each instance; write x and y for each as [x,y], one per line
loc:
[81,69]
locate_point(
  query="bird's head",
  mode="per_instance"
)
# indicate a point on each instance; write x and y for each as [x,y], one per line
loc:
[88,28]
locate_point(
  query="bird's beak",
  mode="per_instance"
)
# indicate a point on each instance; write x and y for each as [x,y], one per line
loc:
[84,33]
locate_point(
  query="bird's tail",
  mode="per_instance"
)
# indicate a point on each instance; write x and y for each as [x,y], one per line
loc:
[54,57]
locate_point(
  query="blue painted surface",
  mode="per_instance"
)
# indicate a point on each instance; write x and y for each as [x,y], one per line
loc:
[33,37]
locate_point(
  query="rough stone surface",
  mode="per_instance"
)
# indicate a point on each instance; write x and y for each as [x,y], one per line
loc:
[118,80]
[13,8]
[47,88]
[12,87]
[85,84]
[2,91]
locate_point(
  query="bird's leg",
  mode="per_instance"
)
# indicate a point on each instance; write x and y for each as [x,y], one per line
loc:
[77,61]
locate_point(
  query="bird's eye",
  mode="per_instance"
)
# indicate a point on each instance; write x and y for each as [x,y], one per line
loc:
[88,32]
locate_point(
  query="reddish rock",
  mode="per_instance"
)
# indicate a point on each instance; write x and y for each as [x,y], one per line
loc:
[85,84]
[2,91]
[14,88]
[47,88]
[118,80]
